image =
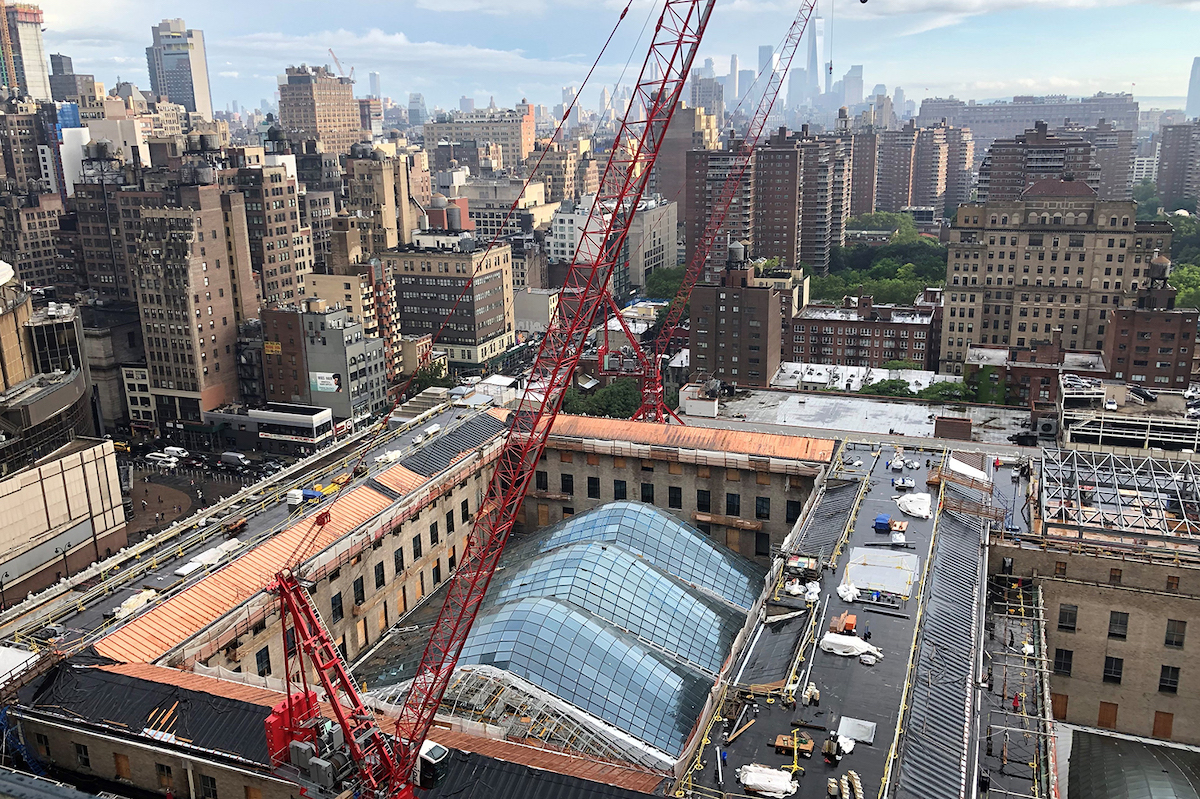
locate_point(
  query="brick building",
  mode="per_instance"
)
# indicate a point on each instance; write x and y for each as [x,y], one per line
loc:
[736,328]
[1013,165]
[316,104]
[1056,257]
[861,333]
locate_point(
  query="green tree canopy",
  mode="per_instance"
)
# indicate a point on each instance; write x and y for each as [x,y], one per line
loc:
[1186,278]
[663,284]
[1146,195]
[430,375]
[618,400]
[948,392]
[903,365]
[887,388]
[906,229]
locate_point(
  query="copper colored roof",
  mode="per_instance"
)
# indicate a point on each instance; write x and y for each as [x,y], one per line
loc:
[547,760]
[400,479]
[160,629]
[1053,187]
[766,445]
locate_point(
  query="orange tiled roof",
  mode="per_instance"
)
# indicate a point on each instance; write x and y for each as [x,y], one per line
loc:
[400,479]
[160,629]
[767,445]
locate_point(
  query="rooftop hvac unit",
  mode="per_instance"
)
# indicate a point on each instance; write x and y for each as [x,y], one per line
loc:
[1047,428]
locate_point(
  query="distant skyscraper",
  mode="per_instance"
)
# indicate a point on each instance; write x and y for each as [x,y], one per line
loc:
[28,52]
[376,90]
[767,61]
[852,85]
[797,96]
[179,67]
[898,102]
[745,82]
[61,64]
[878,90]
[1192,109]
[466,104]
[816,51]
[709,69]
[417,115]
[731,83]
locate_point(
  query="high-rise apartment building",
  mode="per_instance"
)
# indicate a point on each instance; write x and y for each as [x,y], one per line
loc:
[895,162]
[1057,256]
[189,264]
[863,167]
[28,52]
[1013,165]
[374,83]
[691,129]
[512,129]
[801,198]
[557,171]
[930,165]
[1151,342]
[1179,164]
[707,171]
[316,104]
[960,167]
[1113,151]
[179,66]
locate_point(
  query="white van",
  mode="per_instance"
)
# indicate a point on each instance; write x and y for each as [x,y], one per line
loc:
[178,452]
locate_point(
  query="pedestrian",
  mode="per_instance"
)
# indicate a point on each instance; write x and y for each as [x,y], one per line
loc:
[1016,703]
[143,504]
[160,499]
[866,631]
[724,757]
[157,516]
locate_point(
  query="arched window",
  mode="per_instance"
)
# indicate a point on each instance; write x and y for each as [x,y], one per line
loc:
[1045,219]
[1058,219]
[993,219]
[1124,221]
[1112,221]
[1004,220]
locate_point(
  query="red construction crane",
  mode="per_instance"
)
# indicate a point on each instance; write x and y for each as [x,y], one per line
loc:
[654,407]
[304,744]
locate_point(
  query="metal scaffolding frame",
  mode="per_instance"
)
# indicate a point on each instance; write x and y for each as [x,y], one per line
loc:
[1020,740]
[1138,497]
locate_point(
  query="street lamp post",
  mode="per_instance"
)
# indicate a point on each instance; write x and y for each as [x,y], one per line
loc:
[63,550]
[3,600]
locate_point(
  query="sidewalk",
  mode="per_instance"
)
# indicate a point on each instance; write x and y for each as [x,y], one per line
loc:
[159,499]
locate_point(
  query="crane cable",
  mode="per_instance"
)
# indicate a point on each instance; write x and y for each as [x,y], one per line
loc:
[319,519]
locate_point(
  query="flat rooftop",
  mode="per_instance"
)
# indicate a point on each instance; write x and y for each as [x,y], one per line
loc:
[918,737]
[991,424]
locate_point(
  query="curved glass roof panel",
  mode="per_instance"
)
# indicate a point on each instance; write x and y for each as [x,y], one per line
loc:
[667,543]
[620,587]
[594,666]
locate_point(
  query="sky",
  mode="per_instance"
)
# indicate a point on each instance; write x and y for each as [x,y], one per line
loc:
[514,49]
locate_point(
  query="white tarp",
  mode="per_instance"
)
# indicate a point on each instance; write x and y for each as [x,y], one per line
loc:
[766,780]
[847,645]
[967,471]
[919,505]
[881,570]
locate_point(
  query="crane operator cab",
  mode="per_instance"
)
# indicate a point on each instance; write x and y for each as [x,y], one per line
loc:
[431,765]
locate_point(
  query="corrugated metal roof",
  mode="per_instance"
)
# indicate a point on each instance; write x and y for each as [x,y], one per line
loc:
[828,519]
[445,448]
[936,745]
[765,445]
[155,632]
[472,775]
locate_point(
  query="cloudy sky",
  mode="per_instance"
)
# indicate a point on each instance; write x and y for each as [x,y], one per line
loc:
[514,48]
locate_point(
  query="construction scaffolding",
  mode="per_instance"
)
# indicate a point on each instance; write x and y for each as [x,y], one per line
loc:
[1120,500]
[1017,725]
[493,703]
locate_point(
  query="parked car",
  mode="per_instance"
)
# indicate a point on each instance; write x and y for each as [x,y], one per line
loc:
[162,460]
[1110,404]
[178,452]
[1144,393]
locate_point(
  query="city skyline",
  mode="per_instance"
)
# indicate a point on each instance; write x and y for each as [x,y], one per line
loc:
[490,50]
